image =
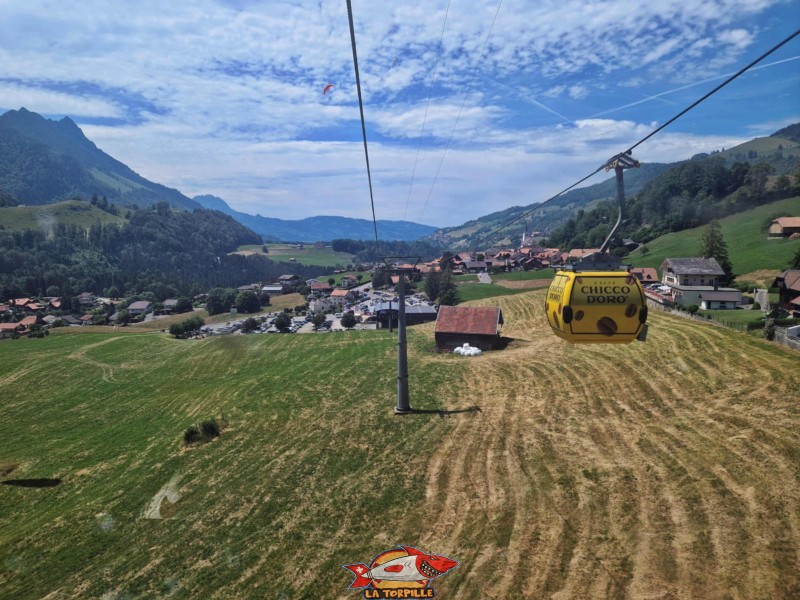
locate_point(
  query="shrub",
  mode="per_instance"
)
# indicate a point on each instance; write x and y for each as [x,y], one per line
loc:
[191,435]
[756,306]
[210,429]
[692,308]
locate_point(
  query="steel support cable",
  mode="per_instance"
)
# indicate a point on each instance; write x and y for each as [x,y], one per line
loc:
[427,105]
[649,135]
[466,94]
[363,123]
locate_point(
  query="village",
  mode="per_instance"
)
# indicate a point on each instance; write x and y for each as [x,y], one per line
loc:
[684,284]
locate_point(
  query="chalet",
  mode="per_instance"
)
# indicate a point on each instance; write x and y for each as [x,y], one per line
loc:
[693,281]
[139,307]
[578,253]
[86,299]
[291,281]
[4,309]
[691,271]
[645,274]
[319,288]
[250,287]
[54,303]
[784,227]
[272,289]
[26,322]
[720,299]
[477,326]
[341,297]
[169,306]
[20,302]
[8,330]
[475,266]
[70,320]
[629,245]
[348,281]
[788,284]
[87,319]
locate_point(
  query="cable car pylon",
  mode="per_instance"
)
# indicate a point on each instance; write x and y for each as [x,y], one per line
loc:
[597,300]
[395,267]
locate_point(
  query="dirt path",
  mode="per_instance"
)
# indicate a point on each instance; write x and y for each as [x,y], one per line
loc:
[659,470]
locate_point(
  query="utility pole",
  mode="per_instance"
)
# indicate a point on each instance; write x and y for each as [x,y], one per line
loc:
[403,406]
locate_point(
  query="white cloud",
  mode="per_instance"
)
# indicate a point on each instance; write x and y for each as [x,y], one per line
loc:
[226,97]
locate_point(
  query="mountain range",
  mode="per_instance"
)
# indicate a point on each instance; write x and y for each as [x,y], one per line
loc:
[318,229]
[44,161]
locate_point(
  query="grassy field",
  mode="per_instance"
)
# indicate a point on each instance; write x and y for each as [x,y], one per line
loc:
[70,212]
[366,277]
[745,234]
[667,469]
[308,255]
[479,291]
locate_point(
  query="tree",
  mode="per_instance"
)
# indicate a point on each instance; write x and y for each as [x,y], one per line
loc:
[183,305]
[448,291]
[177,330]
[795,260]
[113,292]
[220,300]
[123,317]
[432,284]
[264,299]
[264,249]
[712,245]
[331,281]
[282,321]
[782,183]
[348,320]
[379,279]
[359,277]
[247,302]
[645,249]
[250,324]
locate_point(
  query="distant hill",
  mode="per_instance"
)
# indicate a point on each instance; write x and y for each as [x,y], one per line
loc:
[550,217]
[44,161]
[318,229]
[781,151]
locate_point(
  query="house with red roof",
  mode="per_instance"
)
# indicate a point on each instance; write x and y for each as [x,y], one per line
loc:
[478,326]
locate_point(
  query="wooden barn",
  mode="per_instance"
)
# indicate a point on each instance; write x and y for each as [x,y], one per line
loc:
[478,326]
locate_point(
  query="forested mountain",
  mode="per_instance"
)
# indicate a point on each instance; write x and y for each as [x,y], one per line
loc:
[319,229]
[165,251]
[576,223]
[686,196]
[554,214]
[44,161]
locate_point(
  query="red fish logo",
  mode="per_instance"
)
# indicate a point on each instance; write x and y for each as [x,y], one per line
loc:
[403,568]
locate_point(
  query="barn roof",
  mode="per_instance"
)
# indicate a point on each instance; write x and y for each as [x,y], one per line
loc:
[475,320]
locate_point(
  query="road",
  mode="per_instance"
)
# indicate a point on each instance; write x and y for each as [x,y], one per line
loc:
[484,278]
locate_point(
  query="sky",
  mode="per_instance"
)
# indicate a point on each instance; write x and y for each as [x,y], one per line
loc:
[471,106]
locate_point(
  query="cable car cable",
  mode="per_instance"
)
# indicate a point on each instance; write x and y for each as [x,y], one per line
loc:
[466,93]
[427,105]
[363,123]
[651,134]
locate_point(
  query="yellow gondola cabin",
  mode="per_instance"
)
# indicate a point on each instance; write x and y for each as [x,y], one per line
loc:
[596,307]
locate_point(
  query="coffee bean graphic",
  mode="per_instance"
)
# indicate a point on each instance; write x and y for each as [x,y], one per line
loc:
[579,315]
[607,326]
[631,310]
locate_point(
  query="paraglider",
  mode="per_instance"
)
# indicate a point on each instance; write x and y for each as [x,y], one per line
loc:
[327,89]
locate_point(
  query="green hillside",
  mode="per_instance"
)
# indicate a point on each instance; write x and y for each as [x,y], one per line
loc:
[642,470]
[746,236]
[71,212]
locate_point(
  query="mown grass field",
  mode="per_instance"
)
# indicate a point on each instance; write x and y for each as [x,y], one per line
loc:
[669,469]
[70,212]
[308,255]
[745,234]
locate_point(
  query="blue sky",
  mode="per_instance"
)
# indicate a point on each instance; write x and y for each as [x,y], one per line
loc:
[225,97]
